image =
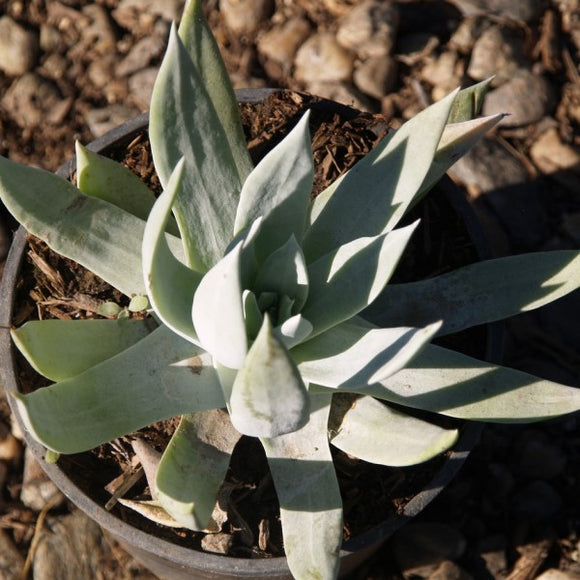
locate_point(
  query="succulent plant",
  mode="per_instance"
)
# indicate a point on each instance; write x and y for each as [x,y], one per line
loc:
[254,294]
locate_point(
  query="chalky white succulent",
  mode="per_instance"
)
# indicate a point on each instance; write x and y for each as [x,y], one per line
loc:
[254,295]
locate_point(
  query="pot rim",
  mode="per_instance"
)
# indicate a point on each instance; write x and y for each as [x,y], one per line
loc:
[180,555]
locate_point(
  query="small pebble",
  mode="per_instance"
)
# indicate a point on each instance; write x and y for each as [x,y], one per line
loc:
[522,10]
[245,16]
[555,574]
[71,547]
[322,59]
[31,100]
[141,87]
[558,159]
[141,55]
[444,73]
[497,52]
[11,561]
[281,43]
[37,488]
[449,570]
[219,543]
[526,97]
[100,121]
[376,76]
[18,48]
[370,29]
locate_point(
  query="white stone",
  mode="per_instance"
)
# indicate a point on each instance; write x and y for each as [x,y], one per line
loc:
[370,29]
[322,59]
[18,48]
[245,16]
[281,43]
[376,76]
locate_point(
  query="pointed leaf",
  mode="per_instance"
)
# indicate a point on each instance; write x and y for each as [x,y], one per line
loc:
[480,293]
[204,52]
[456,141]
[372,431]
[344,282]
[170,283]
[61,349]
[450,383]
[218,314]
[152,510]
[310,504]
[194,465]
[468,102]
[159,377]
[269,397]
[284,272]
[350,355]
[279,189]
[100,236]
[294,331]
[110,181]
[371,197]
[184,123]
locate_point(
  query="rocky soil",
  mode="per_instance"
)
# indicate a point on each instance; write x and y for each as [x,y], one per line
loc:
[72,69]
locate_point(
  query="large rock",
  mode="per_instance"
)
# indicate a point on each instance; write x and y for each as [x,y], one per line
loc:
[18,48]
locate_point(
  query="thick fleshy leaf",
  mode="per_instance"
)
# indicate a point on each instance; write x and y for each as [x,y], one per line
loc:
[310,504]
[284,273]
[456,141]
[269,397]
[218,311]
[184,123]
[96,234]
[350,355]
[279,189]
[110,181]
[468,102]
[194,465]
[347,280]
[480,293]
[453,384]
[294,331]
[170,283]
[200,43]
[373,195]
[161,376]
[61,349]
[372,431]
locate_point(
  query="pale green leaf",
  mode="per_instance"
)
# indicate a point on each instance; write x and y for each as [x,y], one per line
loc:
[109,309]
[204,52]
[279,190]
[350,355]
[218,312]
[294,330]
[453,384]
[456,141]
[347,280]
[479,293]
[284,273]
[170,283]
[159,377]
[138,303]
[310,503]
[60,349]
[194,465]
[372,431]
[269,397]
[110,181]
[373,195]
[468,102]
[96,234]
[184,123]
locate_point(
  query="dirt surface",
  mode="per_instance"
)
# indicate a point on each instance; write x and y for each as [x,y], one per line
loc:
[514,511]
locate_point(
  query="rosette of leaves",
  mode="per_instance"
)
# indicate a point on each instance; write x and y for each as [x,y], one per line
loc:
[255,293]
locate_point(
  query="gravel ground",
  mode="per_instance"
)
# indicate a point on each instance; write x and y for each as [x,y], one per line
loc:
[71,69]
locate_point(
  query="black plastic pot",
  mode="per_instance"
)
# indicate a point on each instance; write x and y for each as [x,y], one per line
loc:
[175,562]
